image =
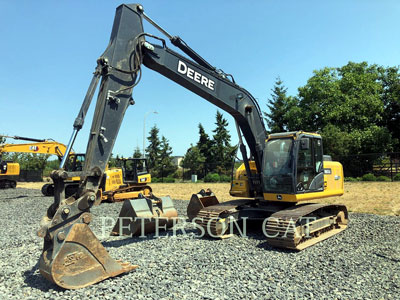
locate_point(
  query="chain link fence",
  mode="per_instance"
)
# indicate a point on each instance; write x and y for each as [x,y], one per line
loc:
[31,175]
[379,164]
[185,174]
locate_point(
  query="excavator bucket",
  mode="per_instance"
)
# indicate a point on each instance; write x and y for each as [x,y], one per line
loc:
[199,201]
[77,259]
[145,215]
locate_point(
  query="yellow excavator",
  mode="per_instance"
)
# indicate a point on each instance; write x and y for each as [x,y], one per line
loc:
[280,171]
[127,181]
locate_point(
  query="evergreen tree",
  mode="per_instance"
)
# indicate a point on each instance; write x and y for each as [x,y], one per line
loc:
[278,106]
[222,150]
[153,149]
[137,153]
[166,166]
[159,154]
[204,146]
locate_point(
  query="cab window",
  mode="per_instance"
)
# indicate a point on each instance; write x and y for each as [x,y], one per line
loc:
[309,165]
[278,166]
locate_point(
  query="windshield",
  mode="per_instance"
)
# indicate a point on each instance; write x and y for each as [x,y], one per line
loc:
[278,166]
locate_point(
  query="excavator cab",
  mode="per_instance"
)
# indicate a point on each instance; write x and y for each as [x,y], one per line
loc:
[135,170]
[75,162]
[293,168]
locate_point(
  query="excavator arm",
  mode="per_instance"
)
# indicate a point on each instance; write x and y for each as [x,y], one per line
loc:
[42,147]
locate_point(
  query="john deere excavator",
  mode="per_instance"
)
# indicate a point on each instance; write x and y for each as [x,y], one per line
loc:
[281,171]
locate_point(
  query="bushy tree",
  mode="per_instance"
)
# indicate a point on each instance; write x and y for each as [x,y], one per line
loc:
[28,161]
[390,79]
[345,105]
[194,161]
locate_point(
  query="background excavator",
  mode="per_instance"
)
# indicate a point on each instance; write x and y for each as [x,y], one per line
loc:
[50,147]
[281,171]
[126,181]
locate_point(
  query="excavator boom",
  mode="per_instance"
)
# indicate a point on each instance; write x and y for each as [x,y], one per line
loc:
[43,147]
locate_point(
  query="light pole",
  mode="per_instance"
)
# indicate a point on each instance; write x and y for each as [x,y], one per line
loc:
[144,129]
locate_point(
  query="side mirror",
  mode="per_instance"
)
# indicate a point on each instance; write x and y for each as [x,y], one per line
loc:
[305,144]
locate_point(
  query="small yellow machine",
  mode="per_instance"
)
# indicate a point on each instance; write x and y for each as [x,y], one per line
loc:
[126,181]
[9,173]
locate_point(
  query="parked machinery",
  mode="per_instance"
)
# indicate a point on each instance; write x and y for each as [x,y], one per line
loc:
[9,173]
[131,178]
[126,181]
[282,169]
[50,147]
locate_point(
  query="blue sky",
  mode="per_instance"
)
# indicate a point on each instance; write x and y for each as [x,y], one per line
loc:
[49,51]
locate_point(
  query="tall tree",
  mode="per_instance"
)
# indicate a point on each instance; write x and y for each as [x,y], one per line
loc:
[166,166]
[222,150]
[137,153]
[278,106]
[153,149]
[205,146]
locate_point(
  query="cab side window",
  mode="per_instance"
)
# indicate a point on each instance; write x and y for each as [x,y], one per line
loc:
[318,155]
[305,168]
[309,166]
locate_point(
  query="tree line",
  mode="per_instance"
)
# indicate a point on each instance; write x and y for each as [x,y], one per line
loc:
[356,109]
[210,155]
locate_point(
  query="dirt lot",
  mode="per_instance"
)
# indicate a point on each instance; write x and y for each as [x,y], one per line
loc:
[381,198]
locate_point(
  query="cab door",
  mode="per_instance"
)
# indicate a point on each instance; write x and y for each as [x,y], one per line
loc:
[310,171]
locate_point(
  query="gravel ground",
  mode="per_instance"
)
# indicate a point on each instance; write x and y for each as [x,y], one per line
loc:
[362,262]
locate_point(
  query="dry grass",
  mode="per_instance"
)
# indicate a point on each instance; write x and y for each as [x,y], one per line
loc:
[381,198]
